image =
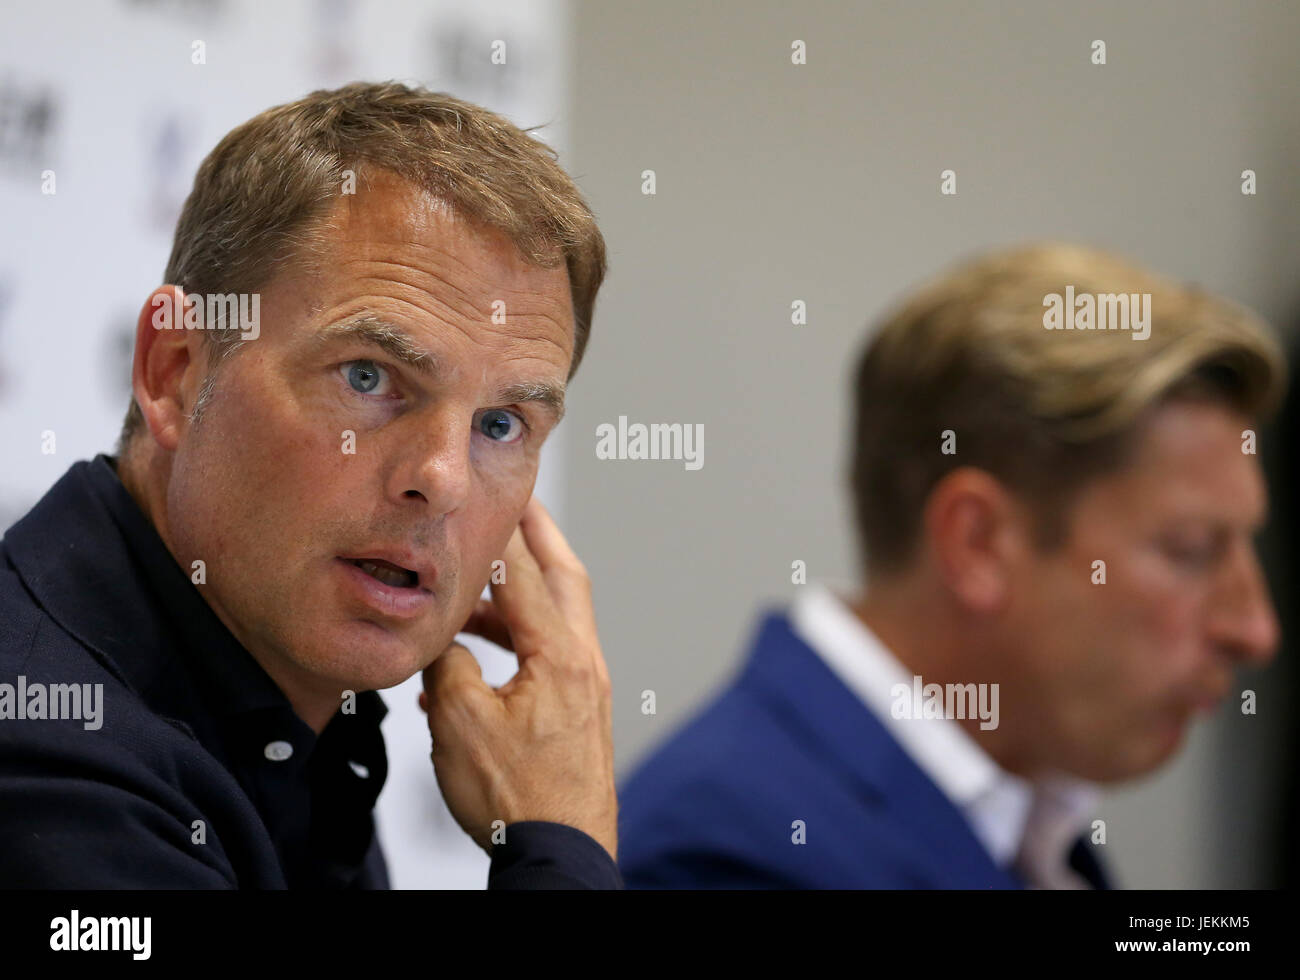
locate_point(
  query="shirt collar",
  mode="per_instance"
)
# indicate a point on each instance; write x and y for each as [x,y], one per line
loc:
[997,804]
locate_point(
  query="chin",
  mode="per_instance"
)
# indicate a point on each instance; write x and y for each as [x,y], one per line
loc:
[373,658]
[1145,757]
[1169,745]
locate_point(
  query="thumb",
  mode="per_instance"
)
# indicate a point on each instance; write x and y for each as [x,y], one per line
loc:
[455,667]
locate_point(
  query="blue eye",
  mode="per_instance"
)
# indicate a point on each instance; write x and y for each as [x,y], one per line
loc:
[363,376]
[496,425]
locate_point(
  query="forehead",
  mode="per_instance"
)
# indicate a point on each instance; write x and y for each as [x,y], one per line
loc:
[396,243]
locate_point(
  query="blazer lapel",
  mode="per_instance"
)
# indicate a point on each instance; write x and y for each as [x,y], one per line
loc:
[809,700]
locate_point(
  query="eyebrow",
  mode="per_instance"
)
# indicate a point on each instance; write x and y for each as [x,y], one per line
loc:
[390,338]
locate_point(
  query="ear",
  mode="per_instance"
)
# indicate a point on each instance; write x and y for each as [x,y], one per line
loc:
[975,531]
[168,366]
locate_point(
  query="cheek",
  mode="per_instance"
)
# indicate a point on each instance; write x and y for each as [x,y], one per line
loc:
[1154,626]
[507,470]
[1097,641]
[491,515]
[256,471]
[1172,638]
[1071,638]
[504,477]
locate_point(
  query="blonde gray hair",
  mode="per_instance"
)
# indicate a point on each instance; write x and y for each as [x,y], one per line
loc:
[1042,410]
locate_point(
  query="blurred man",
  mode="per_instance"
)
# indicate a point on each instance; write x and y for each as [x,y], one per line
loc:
[1056,492]
[318,474]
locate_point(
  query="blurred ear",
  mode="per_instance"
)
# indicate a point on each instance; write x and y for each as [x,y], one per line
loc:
[168,367]
[976,533]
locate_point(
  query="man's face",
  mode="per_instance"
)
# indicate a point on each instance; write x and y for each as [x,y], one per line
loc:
[324,454]
[1109,676]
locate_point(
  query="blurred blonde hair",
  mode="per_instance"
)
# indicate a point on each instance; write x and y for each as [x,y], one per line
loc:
[1042,410]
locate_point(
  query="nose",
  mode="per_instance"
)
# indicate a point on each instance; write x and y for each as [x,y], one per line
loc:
[434,463]
[1244,622]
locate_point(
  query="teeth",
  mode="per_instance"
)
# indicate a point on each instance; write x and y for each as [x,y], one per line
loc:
[389,576]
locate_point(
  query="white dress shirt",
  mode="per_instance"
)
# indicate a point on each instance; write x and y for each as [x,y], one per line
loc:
[1030,827]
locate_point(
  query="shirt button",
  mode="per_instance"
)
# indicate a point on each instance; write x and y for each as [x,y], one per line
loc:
[277,751]
[362,771]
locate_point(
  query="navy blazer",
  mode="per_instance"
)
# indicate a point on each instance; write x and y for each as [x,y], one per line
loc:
[717,805]
[197,774]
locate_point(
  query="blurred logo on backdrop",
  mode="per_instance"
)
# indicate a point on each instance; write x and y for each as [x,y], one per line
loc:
[168,181]
[6,299]
[181,8]
[12,503]
[119,349]
[477,64]
[331,57]
[28,111]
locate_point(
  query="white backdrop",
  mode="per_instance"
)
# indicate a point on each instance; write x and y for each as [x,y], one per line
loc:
[107,96]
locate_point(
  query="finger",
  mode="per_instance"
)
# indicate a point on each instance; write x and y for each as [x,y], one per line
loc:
[565,574]
[486,621]
[423,700]
[454,670]
[524,600]
[544,538]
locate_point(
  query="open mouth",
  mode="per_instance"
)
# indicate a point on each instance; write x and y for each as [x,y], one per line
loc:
[386,572]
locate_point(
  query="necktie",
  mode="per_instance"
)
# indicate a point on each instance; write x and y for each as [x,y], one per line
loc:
[1052,852]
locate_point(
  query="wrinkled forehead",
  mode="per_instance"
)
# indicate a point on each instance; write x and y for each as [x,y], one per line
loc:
[393,238]
[390,211]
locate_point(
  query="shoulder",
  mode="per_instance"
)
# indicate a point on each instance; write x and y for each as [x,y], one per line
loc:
[112,793]
[745,795]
